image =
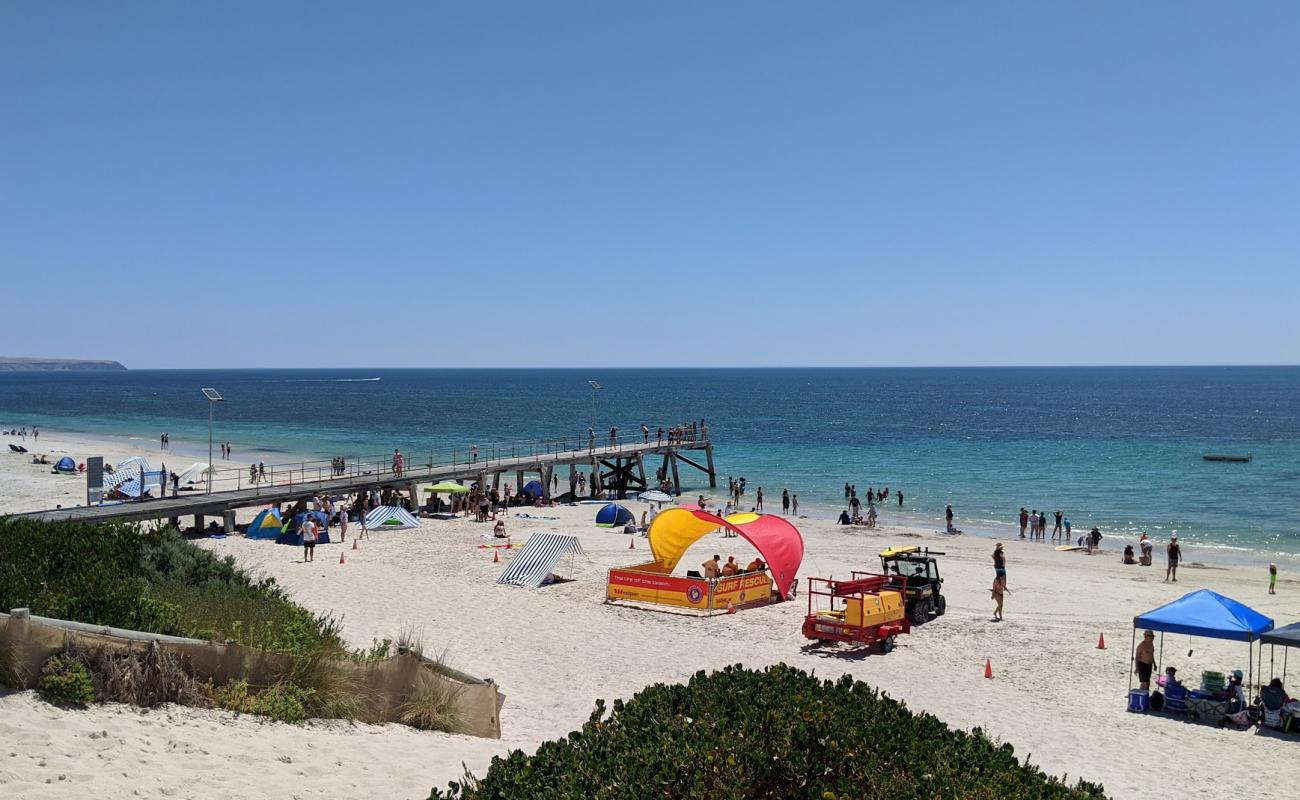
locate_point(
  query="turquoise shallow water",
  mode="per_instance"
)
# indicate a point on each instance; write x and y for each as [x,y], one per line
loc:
[1117,447]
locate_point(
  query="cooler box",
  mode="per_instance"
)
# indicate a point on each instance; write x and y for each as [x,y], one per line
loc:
[1139,700]
[1213,681]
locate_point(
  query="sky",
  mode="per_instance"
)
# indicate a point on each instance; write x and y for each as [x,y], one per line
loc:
[436,184]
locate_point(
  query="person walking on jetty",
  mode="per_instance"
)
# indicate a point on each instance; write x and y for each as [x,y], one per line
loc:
[1173,554]
[645,434]
[591,440]
[399,463]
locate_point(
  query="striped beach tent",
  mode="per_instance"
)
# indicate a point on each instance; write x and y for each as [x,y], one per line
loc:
[533,566]
[390,518]
[123,481]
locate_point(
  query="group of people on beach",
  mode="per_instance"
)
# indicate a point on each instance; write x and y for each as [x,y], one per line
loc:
[714,568]
[22,432]
[1036,524]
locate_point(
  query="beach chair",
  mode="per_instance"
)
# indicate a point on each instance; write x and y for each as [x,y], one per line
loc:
[1176,698]
[1271,701]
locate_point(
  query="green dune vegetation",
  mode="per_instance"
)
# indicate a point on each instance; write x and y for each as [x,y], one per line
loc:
[775,733]
[153,580]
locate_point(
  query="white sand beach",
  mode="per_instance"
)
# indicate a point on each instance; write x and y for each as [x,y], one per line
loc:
[1055,696]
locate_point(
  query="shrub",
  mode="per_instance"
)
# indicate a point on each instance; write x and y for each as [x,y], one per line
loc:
[284,701]
[778,733]
[145,676]
[65,681]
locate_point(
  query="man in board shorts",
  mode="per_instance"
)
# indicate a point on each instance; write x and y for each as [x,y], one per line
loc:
[1174,554]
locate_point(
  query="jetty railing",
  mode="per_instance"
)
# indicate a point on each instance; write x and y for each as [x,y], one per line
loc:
[422,464]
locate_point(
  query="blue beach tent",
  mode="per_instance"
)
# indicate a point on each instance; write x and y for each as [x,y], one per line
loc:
[289,534]
[66,466]
[1208,614]
[265,525]
[534,489]
[613,516]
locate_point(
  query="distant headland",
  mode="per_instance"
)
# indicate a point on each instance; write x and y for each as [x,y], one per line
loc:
[14,364]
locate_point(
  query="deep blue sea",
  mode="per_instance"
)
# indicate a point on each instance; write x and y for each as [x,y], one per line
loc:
[1117,447]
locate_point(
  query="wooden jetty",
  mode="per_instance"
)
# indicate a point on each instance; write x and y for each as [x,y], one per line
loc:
[618,466]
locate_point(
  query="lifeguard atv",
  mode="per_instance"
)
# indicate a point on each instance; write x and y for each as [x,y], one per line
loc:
[915,572]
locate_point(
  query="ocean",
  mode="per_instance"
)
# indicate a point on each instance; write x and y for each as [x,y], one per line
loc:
[1116,447]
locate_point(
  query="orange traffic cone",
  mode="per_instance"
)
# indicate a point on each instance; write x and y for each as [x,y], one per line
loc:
[341,561]
[631,543]
[1101,641]
[354,544]
[988,668]
[496,556]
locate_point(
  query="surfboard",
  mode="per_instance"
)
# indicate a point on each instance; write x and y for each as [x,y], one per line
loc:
[1068,547]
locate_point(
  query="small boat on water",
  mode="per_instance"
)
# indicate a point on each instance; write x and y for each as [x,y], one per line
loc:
[1228,456]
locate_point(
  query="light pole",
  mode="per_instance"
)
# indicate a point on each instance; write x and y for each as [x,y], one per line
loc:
[213,399]
[595,386]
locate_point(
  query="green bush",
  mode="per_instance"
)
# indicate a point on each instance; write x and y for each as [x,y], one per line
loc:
[131,577]
[284,701]
[65,681]
[778,733]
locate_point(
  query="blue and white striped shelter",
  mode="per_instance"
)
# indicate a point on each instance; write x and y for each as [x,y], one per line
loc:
[394,518]
[533,565]
[123,481]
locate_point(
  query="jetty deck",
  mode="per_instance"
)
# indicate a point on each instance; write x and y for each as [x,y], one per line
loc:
[618,467]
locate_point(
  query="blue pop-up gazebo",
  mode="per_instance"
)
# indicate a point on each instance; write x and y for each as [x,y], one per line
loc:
[1204,613]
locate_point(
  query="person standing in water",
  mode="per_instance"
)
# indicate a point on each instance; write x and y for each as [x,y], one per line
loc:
[794,505]
[900,499]
[758,498]
[1173,554]
[785,501]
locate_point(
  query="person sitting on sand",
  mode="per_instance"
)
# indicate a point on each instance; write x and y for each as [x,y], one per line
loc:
[711,567]
[730,568]
[844,519]
[1128,554]
[1145,659]
[499,529]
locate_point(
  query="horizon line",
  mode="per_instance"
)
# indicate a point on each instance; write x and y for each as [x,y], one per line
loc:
[1242,365]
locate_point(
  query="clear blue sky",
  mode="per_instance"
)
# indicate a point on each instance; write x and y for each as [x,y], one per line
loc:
[671,183]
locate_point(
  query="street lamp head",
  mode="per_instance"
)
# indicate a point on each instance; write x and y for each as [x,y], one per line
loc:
[595,384]
[212,395]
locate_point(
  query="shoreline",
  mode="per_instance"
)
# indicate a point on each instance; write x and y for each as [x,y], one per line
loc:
[115,447]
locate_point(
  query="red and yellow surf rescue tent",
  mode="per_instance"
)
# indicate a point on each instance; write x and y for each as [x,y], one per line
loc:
[673,532]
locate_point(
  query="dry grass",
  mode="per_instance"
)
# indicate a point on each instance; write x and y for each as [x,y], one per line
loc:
[12,673]
[433,707]
[143,676]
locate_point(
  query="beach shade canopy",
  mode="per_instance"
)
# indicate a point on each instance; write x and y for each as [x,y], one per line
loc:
[655,496]
[448,486]
[194,473]
[394,518]
[66,464]
[289,533]
[139,463]
[777,541]
[1209,614]
[533,565]
[124,482]
[266,525]
[1286,636]
[613,516]
[534,489]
